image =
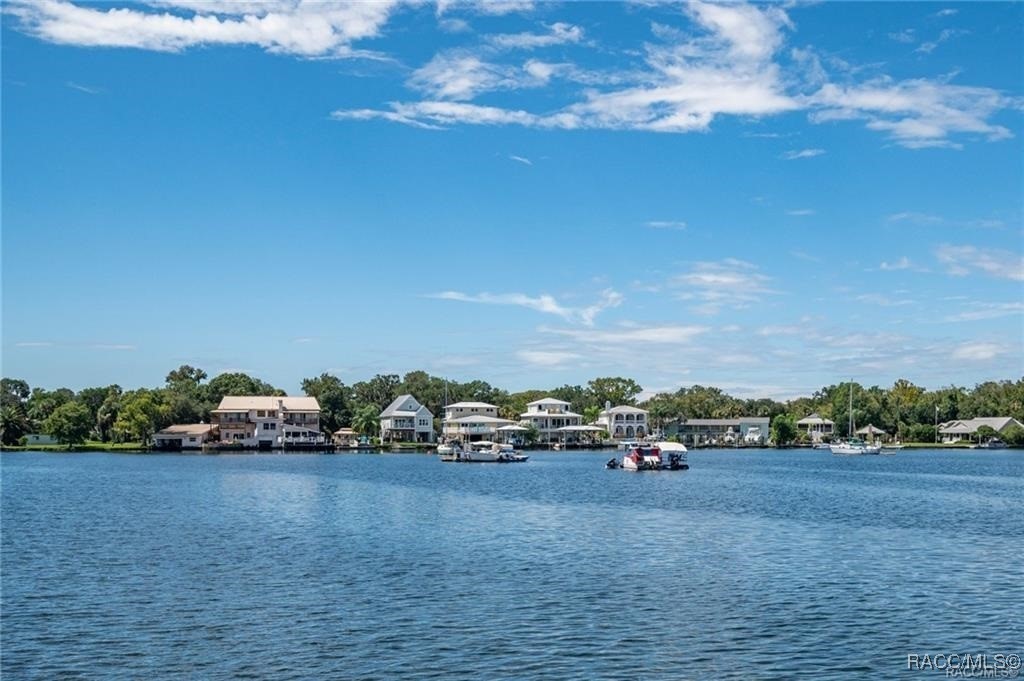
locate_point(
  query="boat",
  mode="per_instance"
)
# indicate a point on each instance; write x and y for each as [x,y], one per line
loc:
[994,443]
[822,445]
[658,456]
[451,451]
[855,446]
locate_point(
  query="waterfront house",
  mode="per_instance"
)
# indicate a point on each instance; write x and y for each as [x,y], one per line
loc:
[624,422]
[472,421]
[406,420]
[965,429]
[268,422]
[185,436]
[345,437]
[549,416]
[742,430]
[871,432]
[816,427]
[40,439]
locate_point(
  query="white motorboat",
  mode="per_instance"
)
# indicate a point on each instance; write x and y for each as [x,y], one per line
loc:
[659,456]
[451,451]
[855,446]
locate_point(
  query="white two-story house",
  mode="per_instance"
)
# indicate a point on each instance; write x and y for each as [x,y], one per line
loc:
[265,422]
[547,415]
[472,421]
[625,422]
[406,420]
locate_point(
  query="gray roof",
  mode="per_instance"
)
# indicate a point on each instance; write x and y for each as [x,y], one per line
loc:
[964,426]
[546,400]
[624,409]
[393,408]
[870,429]
[471,405]
[814,420]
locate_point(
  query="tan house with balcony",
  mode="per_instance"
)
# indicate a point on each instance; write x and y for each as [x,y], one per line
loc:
[268,422]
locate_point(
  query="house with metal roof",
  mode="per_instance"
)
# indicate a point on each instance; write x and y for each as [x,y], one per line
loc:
[185,436]
[816,427]
[268,422]
[717,432]
[406,420]
[472,421]
[965,429]
[549,416]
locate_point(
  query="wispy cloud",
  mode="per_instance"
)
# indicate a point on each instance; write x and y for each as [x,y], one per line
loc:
[963,260]
[915,218]
[805,256]
[795,154]
[642,335]
[545,303]
[902,264]
[883,300]
[546,358]
[727,283]
[977,351]
[667,224]
[113,346]
[34,344]
[972,312]
[800,212]
[521,159]
[83,88]
[557,34]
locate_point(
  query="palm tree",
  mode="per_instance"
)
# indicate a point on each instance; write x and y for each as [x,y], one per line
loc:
[13,424]
[365,420]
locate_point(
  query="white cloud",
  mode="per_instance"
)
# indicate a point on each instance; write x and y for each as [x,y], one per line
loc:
[667,224]
[521,159]
[946,12]
[112,346]
[545,303]
[306,29]
[460,75]
[963,260]
[902,264]
[801,153]
[34,344]
[977,351]
[905,36]
[799,212]
[546,358]
[558,34]
[883,300]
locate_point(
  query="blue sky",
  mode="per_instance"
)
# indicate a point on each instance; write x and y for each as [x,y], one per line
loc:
[767,198]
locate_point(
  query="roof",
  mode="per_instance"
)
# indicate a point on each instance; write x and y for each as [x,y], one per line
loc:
[870,429]
[581,429]
[512,428]
[547,400]
[624,409]
[393,408]
[478,418]
[996,423]
[724,422]
[544,414]
[814,419]
[187,429]
[267,402]
[471,405]
[345,431]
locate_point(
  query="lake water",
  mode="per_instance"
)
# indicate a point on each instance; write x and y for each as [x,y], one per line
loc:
[753,564]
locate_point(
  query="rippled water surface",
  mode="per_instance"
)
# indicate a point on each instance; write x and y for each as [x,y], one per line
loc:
[753,564]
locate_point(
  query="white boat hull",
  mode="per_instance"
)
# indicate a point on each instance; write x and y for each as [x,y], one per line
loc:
[847,450]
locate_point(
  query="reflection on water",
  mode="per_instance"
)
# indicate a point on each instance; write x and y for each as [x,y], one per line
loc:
[751,564]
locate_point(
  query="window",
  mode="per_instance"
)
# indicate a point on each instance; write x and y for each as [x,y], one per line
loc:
[261,414]
[269,426]
[272,414]
[191,439]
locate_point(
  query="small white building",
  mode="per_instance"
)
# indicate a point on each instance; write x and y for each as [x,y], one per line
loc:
[625,422]
[41,439]
[547,415]
[816,427]
[961,429]
[185,436]
[406,420]
[469,421]
[268,422]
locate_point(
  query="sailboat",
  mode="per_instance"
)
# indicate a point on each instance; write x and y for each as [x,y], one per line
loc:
[854,445]
[452,450]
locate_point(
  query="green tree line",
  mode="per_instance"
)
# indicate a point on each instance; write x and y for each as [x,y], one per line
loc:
[111,414]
